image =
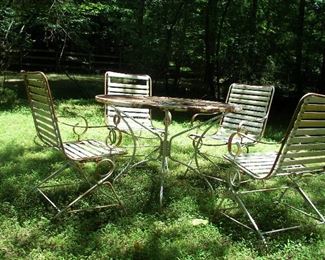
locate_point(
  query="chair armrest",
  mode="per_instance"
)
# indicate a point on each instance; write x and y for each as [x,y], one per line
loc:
[241,127]
[195,116]
[232,140]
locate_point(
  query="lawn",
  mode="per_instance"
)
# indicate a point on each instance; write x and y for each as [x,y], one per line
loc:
[188,225]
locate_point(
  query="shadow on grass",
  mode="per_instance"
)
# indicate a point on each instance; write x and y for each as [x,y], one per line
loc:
[145,231]
[268,216]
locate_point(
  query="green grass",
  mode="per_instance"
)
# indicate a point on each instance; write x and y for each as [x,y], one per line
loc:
[187,227]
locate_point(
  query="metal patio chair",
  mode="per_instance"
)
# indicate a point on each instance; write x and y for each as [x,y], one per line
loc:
[130,84]
[302,154]
[255,103]
[76,153]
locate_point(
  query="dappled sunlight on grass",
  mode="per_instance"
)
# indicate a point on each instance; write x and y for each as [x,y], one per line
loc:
[188,226]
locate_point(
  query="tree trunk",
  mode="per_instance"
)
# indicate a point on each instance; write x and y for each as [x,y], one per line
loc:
[140,18]
[210,41]
[217,63]
[169,36]
[251,59]
[139,30]
[321,87]
[299,45]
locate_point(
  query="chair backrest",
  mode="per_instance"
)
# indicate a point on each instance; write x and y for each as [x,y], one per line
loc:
[303,149]
[41,103]
[128,84]
[255,102]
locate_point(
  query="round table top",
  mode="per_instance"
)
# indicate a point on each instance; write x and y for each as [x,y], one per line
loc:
[167,103]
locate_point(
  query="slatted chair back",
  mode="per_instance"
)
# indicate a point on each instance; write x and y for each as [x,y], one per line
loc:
[255,102]
[303,149]
[128,84]
[43,112]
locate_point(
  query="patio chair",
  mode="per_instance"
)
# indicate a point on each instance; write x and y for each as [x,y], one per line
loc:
[255,102]
[302,154]
[76,153]
[130,84]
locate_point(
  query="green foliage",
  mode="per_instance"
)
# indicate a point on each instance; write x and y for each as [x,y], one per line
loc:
[218,42]
[7,97]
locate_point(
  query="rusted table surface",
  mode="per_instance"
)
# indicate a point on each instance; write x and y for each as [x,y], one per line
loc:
[167,103]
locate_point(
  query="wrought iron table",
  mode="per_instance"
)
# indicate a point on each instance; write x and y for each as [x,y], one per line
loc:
[167,104]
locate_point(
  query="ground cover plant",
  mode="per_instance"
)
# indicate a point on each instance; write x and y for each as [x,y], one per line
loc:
[186,227]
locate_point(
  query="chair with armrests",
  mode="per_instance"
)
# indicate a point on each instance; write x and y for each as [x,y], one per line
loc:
[301,154]
[76,153]
[255,103]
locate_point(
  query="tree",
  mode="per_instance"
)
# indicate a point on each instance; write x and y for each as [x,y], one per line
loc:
[299,46]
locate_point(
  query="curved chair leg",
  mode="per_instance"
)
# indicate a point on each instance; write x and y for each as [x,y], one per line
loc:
[102,181]
[42,185]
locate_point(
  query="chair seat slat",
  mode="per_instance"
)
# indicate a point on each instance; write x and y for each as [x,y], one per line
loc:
[48,136]
[245,117]
[117,85]
[315,99]
[246,102]
[136,114]
[42,112]
[126,76]
[247,108]
[39,98]
[96,148]
[41,106]
[43,119]
[306,139]
[129,109]
[315,107]
[303,154]
[247,122]
[234,126]
[256,97]
[37,90]
[80,148]
[38,83]
[50,141]
[301,169]
[313,115]
[312,123]
[310,131]
[90,149]
[307,160]
[47,128]
[309,146]
[253,88]
[122,91]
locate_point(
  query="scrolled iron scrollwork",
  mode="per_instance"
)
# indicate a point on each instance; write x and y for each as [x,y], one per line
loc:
[107,166]
[235,145]
[77,126]
[235,178]
[197,142]
[114,136]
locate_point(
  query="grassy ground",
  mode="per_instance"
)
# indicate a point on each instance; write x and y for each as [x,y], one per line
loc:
[187,227]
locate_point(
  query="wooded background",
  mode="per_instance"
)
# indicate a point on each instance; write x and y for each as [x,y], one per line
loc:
[191,47]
